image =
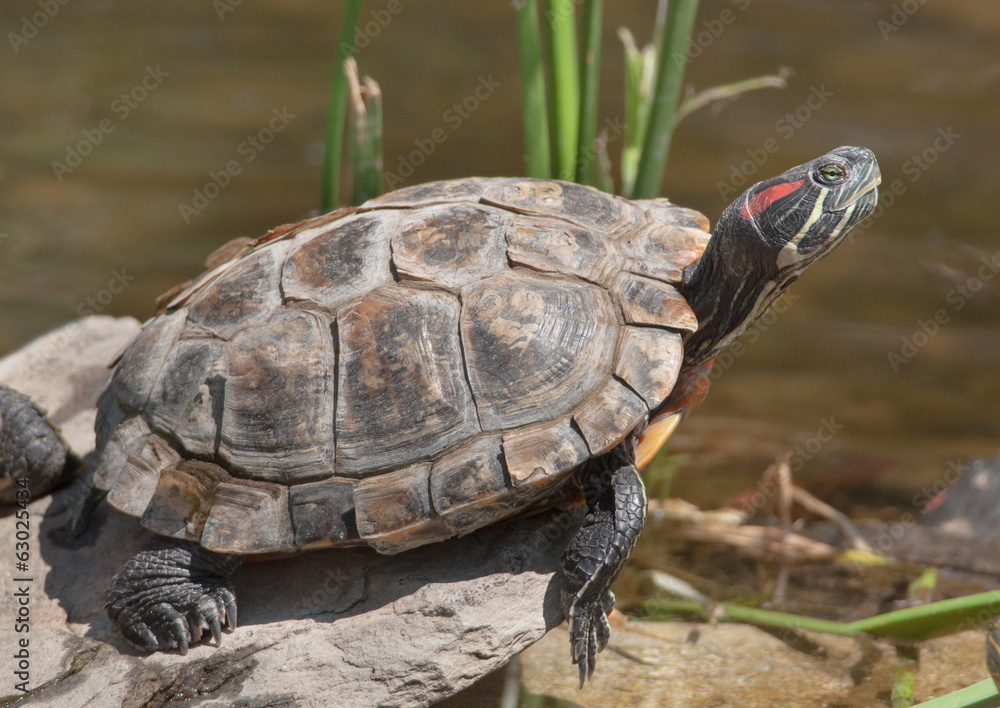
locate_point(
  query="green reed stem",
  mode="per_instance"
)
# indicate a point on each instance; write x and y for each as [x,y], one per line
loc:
[364,136]
[536,115]
[590,70]
[561,23]
[671,62]
[337,109]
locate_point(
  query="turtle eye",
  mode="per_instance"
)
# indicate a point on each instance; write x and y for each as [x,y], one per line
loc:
[831,173]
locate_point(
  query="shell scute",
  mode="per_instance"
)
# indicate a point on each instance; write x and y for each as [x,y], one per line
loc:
[577,203]
[243,293]
[186,401]
[663,251]
[138,477]
[323,513]
[126,438]
[556,247]
[468,486]
[538,455]
[394,510]
[402,394]
[277,422]
[136,373]
[470,189]
[451,245]
[334,263]
[609,415]
[535,346]
[649,361]
[249,517]
[666,212]
[183,499]
[645,301]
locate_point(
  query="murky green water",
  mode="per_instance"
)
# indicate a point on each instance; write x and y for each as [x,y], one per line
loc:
[104,230]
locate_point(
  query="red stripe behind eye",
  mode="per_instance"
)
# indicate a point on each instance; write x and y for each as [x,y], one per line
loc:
[763,200]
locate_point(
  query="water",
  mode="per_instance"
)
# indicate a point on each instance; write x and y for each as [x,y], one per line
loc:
[200,89]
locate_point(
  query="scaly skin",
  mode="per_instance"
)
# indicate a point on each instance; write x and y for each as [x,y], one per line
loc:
[29,448]
[168,592]
[616,500]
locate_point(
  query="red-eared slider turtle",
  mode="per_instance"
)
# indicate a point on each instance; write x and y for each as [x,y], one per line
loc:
[431,362]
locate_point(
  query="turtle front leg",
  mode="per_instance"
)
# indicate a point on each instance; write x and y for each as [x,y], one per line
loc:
[168,592]
[616,502]
[33,455]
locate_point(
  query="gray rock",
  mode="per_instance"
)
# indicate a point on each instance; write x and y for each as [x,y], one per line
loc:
[65,370]
[344,628]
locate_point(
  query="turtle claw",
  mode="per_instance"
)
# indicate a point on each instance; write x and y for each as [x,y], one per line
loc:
[602,627]
[167,595]
[178,620]
[231,614]
[216,630]
[589,634]
[180,632]
[147,639]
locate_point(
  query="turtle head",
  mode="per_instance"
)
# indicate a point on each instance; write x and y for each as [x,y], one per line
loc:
[802,214]
[768,236]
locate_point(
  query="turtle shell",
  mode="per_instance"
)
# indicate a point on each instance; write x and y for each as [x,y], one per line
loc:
[403,372]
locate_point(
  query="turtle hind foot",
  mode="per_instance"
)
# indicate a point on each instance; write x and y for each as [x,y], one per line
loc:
[84,500]
[616,501]
[168,593]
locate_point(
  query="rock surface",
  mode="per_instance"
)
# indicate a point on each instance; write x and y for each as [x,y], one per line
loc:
[65,370]
[344,628]
[678,664]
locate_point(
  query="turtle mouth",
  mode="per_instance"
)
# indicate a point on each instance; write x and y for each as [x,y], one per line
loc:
[866,201]
[868,187]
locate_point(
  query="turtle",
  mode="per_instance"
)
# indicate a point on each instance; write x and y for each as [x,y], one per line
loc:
[433,361]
